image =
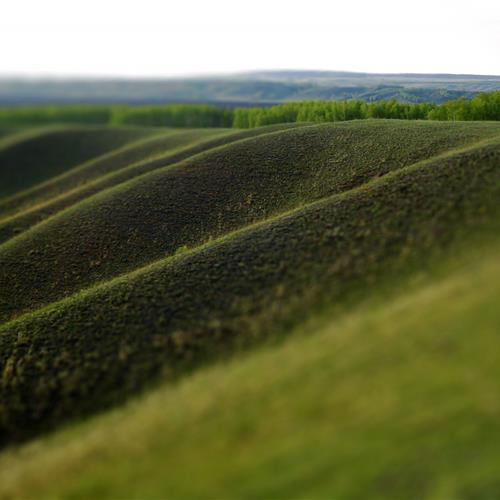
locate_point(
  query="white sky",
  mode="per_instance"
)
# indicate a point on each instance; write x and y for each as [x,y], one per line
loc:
[167,38]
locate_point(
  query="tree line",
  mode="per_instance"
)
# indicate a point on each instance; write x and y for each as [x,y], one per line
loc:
[485,106]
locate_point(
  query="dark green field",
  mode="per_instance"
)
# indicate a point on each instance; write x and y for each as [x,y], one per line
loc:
[297,310]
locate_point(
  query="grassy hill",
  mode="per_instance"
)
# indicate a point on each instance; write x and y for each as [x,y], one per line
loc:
[315,305]
[30,158]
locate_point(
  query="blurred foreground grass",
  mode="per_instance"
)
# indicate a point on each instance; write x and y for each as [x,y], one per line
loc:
[398,398]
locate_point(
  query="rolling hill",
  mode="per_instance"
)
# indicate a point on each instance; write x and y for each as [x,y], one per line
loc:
[30,159]
[309,308]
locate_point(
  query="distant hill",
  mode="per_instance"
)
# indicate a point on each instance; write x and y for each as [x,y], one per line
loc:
[264,87]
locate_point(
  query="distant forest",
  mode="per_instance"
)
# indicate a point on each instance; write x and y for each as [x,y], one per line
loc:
[484,106]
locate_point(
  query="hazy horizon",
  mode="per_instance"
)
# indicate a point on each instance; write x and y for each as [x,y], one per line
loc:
[84,77]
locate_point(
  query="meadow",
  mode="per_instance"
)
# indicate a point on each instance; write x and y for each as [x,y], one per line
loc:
[302,309]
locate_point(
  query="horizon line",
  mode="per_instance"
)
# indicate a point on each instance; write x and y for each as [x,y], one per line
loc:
[224,75]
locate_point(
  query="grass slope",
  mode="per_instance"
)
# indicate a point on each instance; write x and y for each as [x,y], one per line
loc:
[398,399]
[115,168]
[97,347]
[7,131]
[153,145]
[205,197]
[37,157]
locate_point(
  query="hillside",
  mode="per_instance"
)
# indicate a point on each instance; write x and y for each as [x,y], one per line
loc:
[186,204]
[56,149]
[295,299]
[25,208]
[25,154]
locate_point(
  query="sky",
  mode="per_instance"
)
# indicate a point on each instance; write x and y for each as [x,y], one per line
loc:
[162,38]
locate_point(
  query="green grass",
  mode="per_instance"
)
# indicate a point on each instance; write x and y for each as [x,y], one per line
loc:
[314,307]
[397,399]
